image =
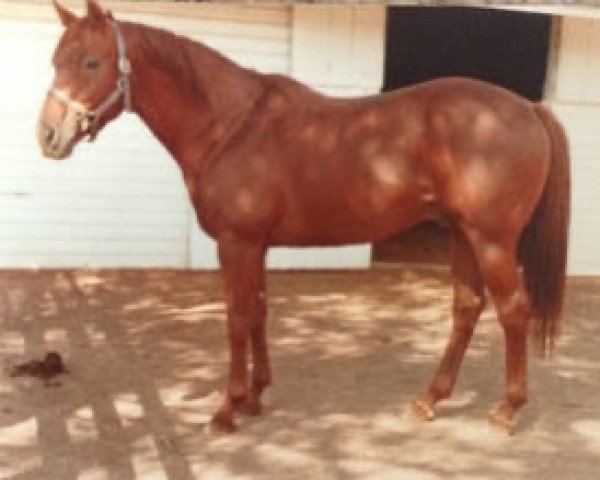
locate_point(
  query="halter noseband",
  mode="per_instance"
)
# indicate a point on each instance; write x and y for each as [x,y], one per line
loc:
[89,119]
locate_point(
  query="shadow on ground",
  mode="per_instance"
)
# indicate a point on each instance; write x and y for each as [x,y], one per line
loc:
[148,357]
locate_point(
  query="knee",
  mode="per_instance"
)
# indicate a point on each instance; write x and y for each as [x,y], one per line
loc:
[514,311]
[468,305]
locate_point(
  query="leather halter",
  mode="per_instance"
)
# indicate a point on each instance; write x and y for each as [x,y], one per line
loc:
[88,119]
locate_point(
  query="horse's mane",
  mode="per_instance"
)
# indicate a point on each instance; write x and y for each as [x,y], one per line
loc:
[190,61]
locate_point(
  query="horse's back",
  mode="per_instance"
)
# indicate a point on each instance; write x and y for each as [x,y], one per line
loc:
[331,171]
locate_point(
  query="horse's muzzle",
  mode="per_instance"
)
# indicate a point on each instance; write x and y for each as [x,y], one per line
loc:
[53,143]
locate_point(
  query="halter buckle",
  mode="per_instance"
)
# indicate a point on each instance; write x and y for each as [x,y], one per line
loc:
[86,121]
[124,66]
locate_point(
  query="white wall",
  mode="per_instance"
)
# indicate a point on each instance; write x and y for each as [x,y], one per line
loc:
[339,49]
[105,206]
[576,101]
[121,202]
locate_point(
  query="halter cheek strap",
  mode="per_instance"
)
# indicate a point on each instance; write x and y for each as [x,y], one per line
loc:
[89,119]
[124,67]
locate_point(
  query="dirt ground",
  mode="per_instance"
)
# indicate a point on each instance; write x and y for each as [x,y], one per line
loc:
[147,357]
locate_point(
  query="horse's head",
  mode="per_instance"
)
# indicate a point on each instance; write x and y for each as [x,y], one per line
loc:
[91,83]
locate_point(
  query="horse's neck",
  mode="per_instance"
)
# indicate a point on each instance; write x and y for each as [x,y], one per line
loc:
[188,95]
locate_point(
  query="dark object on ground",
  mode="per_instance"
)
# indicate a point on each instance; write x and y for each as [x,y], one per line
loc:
[51,366]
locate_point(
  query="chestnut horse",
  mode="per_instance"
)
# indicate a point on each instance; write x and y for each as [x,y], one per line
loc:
[268,161]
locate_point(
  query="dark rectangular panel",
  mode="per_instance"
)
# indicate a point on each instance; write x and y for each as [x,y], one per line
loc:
[506,48]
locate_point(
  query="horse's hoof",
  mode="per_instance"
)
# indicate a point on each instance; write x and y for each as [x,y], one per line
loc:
[222,423]
[419,410]
[498,420]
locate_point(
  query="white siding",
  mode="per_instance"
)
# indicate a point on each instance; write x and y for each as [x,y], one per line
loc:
[257,37]
[120,202]
[103,207]
[582,123]
[579,61]
[576,102]
[339,49]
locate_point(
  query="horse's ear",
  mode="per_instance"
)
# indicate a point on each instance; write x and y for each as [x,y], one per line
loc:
[66,17]
[95,12]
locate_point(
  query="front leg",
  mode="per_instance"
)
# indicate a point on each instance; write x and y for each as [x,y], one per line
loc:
[242,264]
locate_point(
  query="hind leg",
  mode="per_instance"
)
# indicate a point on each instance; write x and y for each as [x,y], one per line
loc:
[467,306]
[501,274]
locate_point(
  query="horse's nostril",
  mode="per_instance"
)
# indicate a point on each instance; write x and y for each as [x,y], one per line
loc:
[50,135]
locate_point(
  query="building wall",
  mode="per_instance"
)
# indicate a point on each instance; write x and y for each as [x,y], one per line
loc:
[105,206]
[575,97]
[121,202]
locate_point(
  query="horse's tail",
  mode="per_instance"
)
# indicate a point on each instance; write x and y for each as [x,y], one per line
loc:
[543,246]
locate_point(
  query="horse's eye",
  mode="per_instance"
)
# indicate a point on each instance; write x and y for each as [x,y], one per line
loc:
[92,63]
